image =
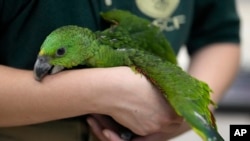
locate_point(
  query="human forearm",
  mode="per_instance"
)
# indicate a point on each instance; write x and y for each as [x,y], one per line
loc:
[26,101]
[217,65]
[114,91]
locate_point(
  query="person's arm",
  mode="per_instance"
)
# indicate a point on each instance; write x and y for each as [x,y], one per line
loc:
[111,91]
[215,64]
[23,100]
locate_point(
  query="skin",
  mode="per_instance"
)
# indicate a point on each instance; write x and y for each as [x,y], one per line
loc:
[216,72]
[88,92]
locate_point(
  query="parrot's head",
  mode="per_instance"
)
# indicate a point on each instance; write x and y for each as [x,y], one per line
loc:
[65,47]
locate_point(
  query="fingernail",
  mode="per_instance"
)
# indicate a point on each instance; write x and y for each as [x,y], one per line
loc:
[106,134]
[89,121]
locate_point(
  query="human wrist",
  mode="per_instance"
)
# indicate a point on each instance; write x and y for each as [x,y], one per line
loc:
[109,90]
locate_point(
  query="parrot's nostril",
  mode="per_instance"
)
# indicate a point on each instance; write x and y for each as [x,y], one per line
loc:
[41,59]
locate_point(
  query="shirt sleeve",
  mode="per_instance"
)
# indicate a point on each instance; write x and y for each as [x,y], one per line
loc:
[214,21]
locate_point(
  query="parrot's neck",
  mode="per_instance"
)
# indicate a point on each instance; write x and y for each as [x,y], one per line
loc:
[87,52]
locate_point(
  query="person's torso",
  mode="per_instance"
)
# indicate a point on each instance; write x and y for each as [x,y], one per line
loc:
[25,23]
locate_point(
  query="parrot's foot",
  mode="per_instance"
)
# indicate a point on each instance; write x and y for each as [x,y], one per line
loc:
[127,136]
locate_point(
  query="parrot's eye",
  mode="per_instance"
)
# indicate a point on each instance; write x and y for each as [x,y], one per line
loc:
[60,51]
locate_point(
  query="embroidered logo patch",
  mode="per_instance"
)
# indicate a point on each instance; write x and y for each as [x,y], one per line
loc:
[157,8]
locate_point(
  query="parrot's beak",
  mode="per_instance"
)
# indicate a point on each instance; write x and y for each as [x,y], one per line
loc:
[43,67]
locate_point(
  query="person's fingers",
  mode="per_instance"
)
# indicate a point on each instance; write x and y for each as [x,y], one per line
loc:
[102,134]
[105,121]
[96,129]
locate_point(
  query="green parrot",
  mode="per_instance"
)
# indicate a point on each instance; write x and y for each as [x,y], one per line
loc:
[131,41]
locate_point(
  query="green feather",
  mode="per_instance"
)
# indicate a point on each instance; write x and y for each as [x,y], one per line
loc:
[131,31]
[134,42]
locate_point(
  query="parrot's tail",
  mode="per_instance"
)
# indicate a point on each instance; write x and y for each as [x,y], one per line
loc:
[209,135]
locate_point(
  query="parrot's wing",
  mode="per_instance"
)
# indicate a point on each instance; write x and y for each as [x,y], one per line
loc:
[131,31]
[188,96]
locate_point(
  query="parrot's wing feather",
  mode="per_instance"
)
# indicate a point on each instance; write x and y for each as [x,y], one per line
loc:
[131,31]
[188,96]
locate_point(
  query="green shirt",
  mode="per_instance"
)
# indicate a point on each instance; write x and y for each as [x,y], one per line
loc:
[24,24]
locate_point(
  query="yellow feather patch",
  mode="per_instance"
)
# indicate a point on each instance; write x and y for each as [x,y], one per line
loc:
[41,53]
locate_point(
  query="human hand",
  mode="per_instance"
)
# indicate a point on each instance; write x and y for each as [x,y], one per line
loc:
[99,123]
[136,104]
[102,128]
